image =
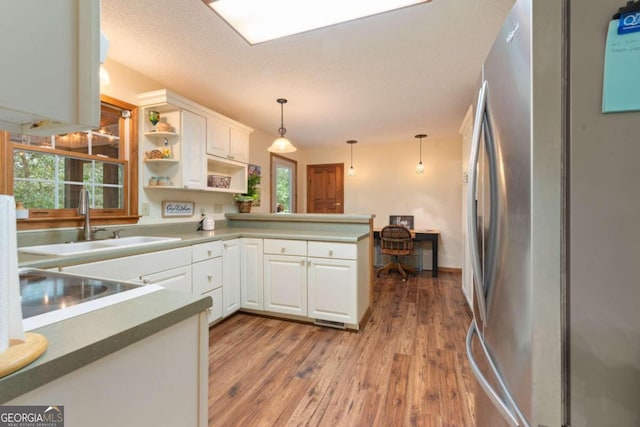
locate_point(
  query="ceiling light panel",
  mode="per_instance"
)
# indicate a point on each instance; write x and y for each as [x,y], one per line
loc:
[261,20]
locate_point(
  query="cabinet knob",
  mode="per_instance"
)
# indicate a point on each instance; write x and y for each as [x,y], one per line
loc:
[283,249]
[209,276]
[330,252]
[302,261]
[209,251]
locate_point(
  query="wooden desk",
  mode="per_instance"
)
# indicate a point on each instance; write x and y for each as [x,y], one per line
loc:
[421,236]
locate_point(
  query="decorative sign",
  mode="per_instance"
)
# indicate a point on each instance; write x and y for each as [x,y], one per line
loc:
[173,209]
[404,220]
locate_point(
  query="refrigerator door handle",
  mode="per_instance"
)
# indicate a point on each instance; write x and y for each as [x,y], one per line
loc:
[502,407]
[472,211]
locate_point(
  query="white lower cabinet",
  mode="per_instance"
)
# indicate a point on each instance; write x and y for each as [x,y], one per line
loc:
[318,280]
[170,363]
[285,284]
[332,289]
[170,268]
[251,274]
[178,279]
[215,312]
[230,276]
[207,275]
[285,276]
[333,281]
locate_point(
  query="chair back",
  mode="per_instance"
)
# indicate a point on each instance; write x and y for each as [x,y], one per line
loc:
[395,240]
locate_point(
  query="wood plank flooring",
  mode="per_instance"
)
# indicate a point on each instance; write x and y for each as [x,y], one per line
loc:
[406,368]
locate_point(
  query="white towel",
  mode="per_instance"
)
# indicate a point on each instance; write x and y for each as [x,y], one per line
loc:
[10,308]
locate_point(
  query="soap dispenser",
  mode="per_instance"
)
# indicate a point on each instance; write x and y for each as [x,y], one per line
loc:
[206,223]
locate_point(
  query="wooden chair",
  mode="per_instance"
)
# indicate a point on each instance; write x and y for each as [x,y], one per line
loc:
[395,240]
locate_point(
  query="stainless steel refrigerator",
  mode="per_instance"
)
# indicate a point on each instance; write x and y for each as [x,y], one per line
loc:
[553,227]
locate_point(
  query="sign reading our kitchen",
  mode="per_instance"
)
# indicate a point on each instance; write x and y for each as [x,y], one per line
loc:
[171,209]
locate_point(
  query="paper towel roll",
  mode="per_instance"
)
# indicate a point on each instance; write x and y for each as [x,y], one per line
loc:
[10,308]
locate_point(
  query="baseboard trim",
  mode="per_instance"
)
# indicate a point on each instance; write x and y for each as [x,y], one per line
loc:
[449,270]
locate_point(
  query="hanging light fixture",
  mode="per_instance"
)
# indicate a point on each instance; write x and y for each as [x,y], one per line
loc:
[420,167]
[282,144]
[352,171]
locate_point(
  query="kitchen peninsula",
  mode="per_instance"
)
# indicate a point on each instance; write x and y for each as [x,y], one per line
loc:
[313,268]
[308,267]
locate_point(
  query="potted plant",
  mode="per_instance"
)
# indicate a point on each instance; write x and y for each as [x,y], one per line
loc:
[245,200]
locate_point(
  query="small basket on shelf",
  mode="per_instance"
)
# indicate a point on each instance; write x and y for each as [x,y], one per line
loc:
[218,181]
[154,154]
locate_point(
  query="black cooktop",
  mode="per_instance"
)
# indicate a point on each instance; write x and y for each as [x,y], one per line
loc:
[44,291]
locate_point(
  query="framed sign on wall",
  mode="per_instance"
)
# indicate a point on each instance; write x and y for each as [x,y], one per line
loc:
[174,209]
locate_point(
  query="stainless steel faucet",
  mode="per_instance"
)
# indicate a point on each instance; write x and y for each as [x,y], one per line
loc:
[83,209]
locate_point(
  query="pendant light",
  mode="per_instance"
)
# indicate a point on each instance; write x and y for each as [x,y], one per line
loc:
[420,167]
[352,171]
[282,144]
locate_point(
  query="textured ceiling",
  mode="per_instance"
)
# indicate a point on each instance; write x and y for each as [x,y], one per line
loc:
[379,79]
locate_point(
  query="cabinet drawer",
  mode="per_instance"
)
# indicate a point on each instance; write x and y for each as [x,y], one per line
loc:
[333,250]
[285,247]
[215,312]
[206,275]
[207,250]
[135,265]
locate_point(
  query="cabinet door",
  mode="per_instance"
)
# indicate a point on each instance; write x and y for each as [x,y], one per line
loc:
[194,162]
[239,145]
[217,137]
[251,283]
[215,312]
[285,284]
[230,276]
[54,50]
[333,289]
[178,279]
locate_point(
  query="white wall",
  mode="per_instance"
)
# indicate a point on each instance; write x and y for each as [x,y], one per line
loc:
[258,155]
[386,184]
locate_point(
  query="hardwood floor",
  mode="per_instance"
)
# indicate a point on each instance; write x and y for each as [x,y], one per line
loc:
[406,368]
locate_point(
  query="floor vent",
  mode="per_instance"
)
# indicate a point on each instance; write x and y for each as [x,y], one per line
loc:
[330,323]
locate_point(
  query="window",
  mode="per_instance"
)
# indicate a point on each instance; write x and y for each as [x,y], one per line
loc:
[283,184]
[47,173]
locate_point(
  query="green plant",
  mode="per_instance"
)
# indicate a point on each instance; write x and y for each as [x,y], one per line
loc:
[252,192]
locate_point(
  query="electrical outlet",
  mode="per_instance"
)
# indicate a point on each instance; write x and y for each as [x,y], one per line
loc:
[201,211]
[217,207]
[146,209]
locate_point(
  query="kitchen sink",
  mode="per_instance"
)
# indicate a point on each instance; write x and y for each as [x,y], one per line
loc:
[77,248]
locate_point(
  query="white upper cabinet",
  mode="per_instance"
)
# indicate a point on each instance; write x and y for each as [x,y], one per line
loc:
[227,139]
[50,51]
[191,129]
[193,160]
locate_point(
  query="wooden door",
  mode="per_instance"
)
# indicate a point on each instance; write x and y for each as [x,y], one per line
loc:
[325,188]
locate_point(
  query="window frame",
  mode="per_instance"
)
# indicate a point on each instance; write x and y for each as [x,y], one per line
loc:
[56,218]
[273,163]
